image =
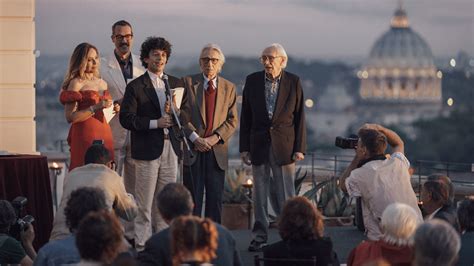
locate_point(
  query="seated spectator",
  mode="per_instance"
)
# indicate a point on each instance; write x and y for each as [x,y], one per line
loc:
[81,202]
[436,202]
[96,173]
[301,228]
[175,201]
[193,241]
[447,181]
[11,250]
[466,221]
[99,238]
[378,180]
[436,244]
[399,222]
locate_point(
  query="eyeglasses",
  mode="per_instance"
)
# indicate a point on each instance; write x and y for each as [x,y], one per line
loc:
[121,37]
[264,58]
[206,60]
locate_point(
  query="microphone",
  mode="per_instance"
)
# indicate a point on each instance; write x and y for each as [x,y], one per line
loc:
[167,85]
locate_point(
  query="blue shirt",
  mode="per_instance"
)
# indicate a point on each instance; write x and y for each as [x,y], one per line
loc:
[58,252]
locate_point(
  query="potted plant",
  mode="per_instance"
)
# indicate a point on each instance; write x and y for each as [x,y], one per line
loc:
[235,207]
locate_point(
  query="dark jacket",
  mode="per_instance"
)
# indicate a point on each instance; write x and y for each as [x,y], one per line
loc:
[302,249]
[449,214]
[158,249]
[285,132]
[140,105]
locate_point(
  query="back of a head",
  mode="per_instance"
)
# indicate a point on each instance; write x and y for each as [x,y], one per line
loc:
[99,237]
[447,181]
[438,190]
[374,140]
[7,215]
[195,237]
[399,222]
[81,202]
[466,215]
[436,243]
[300,220]
[98,154]
[174,200]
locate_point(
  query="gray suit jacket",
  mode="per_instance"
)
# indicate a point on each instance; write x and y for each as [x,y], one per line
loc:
[193,114]
[112,74]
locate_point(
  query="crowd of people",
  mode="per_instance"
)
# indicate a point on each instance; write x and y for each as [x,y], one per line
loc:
[130,124]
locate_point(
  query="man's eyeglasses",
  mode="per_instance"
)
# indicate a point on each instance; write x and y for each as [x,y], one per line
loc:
[206,60]
[121,37]
[264,58]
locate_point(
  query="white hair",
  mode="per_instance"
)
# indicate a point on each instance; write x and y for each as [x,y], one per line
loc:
[399,222]
[280,51]
[215,47]
[437,243]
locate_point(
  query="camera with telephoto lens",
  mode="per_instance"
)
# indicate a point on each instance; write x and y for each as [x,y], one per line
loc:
[347,143]
[21,224]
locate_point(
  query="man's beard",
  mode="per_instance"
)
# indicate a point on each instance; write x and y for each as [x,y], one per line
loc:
[124,48]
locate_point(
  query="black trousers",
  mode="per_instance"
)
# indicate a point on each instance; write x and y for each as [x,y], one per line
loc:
[205,173]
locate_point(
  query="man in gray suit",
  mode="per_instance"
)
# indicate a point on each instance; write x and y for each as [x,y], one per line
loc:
[118,69]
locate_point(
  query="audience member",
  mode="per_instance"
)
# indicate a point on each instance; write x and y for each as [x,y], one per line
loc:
[378,180]
[11,250]
[301,229]
[99,238]
[64,251]
[399,222]
[466,221]
[175,201]
[446,180]
[436,202]
[96,173]
[193,241]
[436,244]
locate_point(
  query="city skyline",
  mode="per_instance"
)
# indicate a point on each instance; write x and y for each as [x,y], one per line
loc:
[321,29]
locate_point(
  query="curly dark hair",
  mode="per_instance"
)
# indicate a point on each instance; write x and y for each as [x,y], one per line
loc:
[191,234]
[154,43]
[99,237]
[466,215]
[81,202]
[300,220]
[374,140]
[7,216]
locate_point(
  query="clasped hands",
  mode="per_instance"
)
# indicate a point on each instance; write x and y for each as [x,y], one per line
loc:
[205,144]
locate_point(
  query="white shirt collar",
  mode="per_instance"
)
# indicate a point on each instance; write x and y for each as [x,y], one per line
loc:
[154,76]
[434,213]
[206,80]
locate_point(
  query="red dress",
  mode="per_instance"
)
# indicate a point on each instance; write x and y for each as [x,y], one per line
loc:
[82,134]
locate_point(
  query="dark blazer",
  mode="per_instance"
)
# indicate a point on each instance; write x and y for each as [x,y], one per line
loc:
[302,249]
[140,105]
[158,249]
[285,132]
[449,214]
[193,113]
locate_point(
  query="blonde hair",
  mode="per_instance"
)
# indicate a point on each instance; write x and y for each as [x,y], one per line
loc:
[192,235]
[399,222]
[78,62]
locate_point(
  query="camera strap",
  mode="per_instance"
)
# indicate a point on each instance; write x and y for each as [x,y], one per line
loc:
[379,157]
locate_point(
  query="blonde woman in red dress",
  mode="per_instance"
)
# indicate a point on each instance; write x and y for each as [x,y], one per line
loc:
[84,96]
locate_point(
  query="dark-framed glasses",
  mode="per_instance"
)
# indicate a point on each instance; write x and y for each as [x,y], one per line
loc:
[121,37]
[270,58]
[206,60]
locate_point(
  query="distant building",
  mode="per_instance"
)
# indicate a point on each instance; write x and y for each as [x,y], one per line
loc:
[400,68]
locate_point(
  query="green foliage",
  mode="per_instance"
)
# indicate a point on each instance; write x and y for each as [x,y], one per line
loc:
[234,192]
[332,201]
